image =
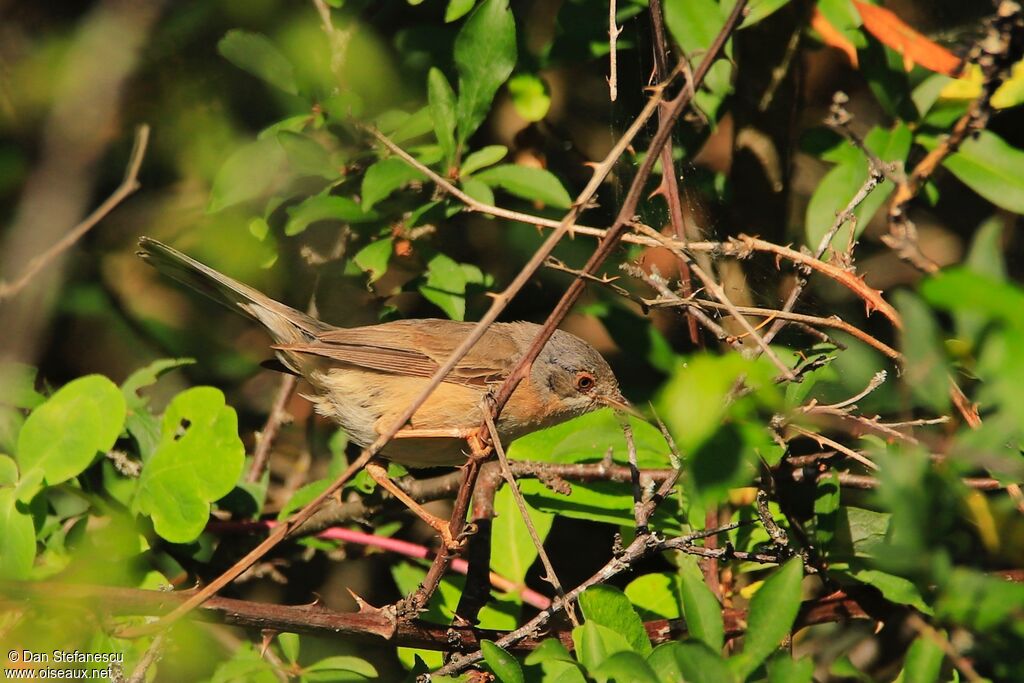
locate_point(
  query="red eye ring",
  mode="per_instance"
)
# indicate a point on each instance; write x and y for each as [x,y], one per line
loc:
[585,381]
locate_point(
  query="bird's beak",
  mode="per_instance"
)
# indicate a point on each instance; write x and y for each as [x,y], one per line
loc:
[618,402]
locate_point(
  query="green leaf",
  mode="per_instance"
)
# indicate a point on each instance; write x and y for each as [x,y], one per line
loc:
[842,182]
[323,207]
[457,9]
[502,664]
[826,509]
[485,54]
[289,643]
[893,588]
[446,286]
[692,402]
[19,383]
[586,439]
[249,172]
[782,668]
[663,662]
[306,156]
[694,24]
[198,461]
[595,643]
[990,167]
[356,665]
[535,184]
[477,190]
[927,373]
[556,662]
[148,376]
[772,613]
[254,53]
[442,111]
[985,258]
[486,156]
[625,667]
[959,289]
[887,79]
[700,664]
[530,96]
[759,10]
[610,607]
[701,610]
[510,534]
[657,594]
[418,124]
[8,470]
[384,177]
[62,436]
[374,257]
[923,663]
[17,537]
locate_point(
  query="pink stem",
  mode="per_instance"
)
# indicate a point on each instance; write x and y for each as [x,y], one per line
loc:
[529,596]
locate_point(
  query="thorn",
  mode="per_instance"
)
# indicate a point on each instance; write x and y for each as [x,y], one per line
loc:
[267,636]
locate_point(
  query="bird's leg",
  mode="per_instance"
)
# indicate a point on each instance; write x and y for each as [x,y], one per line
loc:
[379,474]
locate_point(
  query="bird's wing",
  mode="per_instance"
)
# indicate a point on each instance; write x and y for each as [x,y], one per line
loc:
[417,349]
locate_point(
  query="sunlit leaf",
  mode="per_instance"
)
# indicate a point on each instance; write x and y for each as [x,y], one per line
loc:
[536,184]
[610,607]
[772,613]
[255,53]
[442,111]
[62,436]
[306,156]
[482,158]
[990,167]
[198,461]
[374,258]
[530,96]
[323,207]
[485,53]
[384,177]
[502,664]
[17,537]
[509,533]
[248,173]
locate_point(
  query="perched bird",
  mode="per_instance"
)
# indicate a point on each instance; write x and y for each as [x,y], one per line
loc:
[364,377]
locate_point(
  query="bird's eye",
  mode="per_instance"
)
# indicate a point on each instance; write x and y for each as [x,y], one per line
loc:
[585,381]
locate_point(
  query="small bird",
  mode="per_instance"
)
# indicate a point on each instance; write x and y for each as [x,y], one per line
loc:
[364,377]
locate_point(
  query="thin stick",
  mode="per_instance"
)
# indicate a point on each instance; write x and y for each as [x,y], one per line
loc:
[832,443]
[718,292]
[128,186]
[277,417]
[613,38]
[517,495]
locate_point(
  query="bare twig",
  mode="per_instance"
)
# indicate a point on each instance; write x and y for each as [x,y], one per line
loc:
[127,187]
[277,417]
[517,495]
[613,39]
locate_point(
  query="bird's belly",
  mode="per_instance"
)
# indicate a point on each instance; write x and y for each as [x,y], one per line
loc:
[365,403]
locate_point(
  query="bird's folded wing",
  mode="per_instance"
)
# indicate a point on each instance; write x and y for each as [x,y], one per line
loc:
[377,348]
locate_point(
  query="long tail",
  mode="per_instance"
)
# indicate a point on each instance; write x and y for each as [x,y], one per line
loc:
[285,324]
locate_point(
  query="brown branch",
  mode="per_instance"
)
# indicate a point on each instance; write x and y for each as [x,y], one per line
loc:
[370,625]
[128,187]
